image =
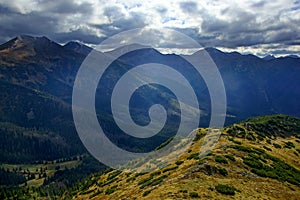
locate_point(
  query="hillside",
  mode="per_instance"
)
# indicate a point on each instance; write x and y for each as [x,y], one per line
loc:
[254,159]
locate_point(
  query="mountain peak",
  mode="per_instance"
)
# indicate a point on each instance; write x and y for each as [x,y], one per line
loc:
[129,47]
[78,47]
[29,38]
[268,57]
[26,41]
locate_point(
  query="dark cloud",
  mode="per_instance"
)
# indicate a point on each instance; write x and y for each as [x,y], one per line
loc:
[244,29]
[65,7]
[188,7]
[233,26]
[258,5]
[34,23]
[119,23]
[7,10]
[46,23]
[114,13]
[296,5]
[69,7]
[292,43]
[162,10]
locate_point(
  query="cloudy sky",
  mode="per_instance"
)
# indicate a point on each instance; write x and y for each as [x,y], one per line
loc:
[248,26]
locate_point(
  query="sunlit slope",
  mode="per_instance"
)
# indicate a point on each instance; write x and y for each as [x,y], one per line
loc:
[255,159]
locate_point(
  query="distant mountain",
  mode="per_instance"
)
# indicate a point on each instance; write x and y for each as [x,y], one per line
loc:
[44,72]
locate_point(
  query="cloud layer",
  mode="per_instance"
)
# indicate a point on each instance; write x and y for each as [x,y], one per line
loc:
[253,26]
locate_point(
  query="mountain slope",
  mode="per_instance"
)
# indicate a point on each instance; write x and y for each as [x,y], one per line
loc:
[241,166]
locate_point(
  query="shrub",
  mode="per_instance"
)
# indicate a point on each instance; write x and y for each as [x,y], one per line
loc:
[179,162]
[259,137]
[158,180]
[225,189]
[237,142]
[130,179]
[140,174]
[289,145]
[101,184]
[230,157]
[169,169]
[223,172]
[242,148]
[252,162]
[146,193]
[198,136]
[95,194]
[153,182]
[250,136]
[194,195]
[267,148]
[113,175]
[277,146]
[193,156]
[155,173]
[278,170]
[265,173]
[211,188]
[221,159]
[111,190]
[145,180]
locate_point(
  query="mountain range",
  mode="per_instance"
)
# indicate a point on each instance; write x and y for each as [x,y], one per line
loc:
[37,77]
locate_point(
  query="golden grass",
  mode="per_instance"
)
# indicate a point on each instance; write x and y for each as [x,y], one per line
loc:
[182,181]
